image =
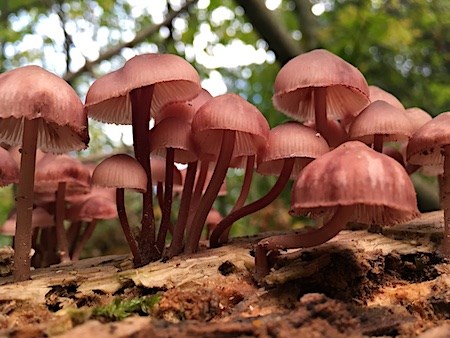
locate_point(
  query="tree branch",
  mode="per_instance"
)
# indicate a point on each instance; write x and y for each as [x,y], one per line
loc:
[271,30]
[140,37]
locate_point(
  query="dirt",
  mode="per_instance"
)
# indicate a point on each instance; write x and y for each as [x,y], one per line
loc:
[394,284]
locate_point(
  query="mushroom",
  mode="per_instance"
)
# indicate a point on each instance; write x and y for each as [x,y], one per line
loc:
[376,93]
[319,85]
[9,169]
[38,110]
[121,172]
[172,138]
[226,127]
[350,183]
[91,210]
[380,122]
[291,147]
[430,145]
[58,174]
[131,95]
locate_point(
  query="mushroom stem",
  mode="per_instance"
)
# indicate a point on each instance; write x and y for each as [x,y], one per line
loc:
[249,167]
[160,194]
[300,239]
[220,171]
[445,195]
[123,218]
[227,222]
[60,206]
[197,194]
[141,101]
[24,202]
[176,247]
[72,234]
[88,231]
[166,209]
[320,110]
[378,140]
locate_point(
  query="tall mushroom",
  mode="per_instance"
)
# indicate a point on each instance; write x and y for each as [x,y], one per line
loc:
[131,95]
[350,183]
[225,127]
[430,145]
[38,110]
[291,146]
[319,85]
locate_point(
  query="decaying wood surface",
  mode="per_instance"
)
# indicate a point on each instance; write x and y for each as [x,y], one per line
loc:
[359,284]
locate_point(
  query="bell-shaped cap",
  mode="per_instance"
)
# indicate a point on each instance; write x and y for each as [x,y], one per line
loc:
[376,93]
[174,78]
[353,174]
[290,140]
[417,116]
[229,112]
[33,93]
[173,133]
[9,170]
[380,117]
[120,171]
[425,146]
[95,207]
[347,90]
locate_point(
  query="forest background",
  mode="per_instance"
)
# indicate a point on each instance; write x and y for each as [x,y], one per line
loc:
[236,46]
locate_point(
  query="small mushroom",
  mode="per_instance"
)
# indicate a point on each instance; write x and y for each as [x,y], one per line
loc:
[121,172]
[319,85]
[350,183]
[430,145]
[291,146]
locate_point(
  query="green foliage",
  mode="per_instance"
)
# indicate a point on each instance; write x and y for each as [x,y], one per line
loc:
[120,309]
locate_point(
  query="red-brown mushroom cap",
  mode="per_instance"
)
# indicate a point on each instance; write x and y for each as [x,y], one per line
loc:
[380,117]
[54,169]
[347,89]
[418,117]
[173,133]
[290,140]
[336,133]
[184,110]
[95,207]
[229,112]
[40,219]
[33,93]
[174,78]
[376,93]
[353,174]
[159,171]
[426,144]
[120,171]
[9,170]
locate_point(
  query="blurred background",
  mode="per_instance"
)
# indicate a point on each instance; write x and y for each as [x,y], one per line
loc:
[236,46]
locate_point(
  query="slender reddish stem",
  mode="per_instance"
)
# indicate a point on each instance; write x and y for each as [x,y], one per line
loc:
[123,218]
[88,231]
[445,195]
[141,101]
[320,110]
[245,189]
[60,210]
[160,194]
[24,202]
[264,201]
[220,171]
[72,234]
[166,209]
[176,247]
[300,239]
[378,142]
[198,190]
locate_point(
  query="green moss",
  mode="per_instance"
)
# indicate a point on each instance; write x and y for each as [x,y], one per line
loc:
[120,309]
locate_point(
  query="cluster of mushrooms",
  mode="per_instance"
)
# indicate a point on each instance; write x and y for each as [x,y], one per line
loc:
[336,149]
